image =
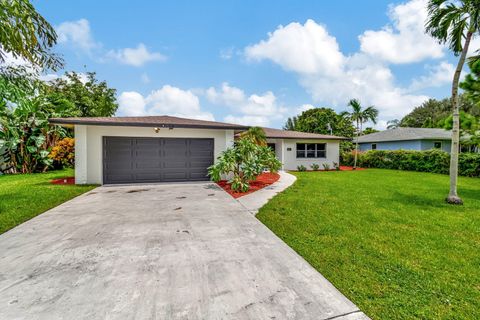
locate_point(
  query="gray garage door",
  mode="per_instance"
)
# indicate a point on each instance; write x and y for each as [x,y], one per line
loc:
[130,160]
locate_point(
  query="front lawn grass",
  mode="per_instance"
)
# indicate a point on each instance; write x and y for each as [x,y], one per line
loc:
[24,196]
[386,239]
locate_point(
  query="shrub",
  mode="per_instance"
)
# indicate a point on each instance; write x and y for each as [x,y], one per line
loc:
[326,166]
[315,166]
[301,168]
[63,152]
[435,161]
[245,161]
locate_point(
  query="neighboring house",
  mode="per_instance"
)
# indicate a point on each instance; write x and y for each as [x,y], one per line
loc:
[162,148]
[407,139]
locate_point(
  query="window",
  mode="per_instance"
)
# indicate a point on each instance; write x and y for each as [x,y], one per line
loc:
[271,146]
[311,150]
[374,146]
[437,144]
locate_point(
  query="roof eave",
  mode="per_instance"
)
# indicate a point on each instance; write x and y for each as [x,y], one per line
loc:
[140,124]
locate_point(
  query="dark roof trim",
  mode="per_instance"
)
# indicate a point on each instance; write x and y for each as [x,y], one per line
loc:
[307,138]
[140,124]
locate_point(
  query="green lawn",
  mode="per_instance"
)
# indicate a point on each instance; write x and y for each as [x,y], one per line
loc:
[25,196]
[387,239]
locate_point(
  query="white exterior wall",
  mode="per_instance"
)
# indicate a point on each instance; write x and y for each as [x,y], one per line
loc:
[291,162]
[89,145]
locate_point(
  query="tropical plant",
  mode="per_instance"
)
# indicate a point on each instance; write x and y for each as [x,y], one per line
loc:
[326,166]
[25,134]
[315,166]
[359,116]
[393,124]
[256,135]
[25,34]
[301,168]
[244,162]
[90,97]
[63,152]
[455,23]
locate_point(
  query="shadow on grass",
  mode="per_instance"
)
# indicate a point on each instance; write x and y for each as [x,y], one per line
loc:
[419,200]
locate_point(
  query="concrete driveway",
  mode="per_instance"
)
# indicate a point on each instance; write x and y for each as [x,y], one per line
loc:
[176,251]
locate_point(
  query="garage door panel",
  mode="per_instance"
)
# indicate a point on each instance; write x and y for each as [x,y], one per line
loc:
[129,160]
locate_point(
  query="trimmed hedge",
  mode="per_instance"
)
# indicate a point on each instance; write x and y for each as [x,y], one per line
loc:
[434,161]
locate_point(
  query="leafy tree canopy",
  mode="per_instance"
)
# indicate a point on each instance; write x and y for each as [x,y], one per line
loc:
[91,97]
[322,121]
[471,84]
[432,112]
[25,34]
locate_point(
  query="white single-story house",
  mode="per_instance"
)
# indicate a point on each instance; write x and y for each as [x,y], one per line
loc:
[112,150]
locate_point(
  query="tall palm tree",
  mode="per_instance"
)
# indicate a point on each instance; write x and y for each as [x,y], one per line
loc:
[455,23]
[393,124]
[256,135]
[359,116]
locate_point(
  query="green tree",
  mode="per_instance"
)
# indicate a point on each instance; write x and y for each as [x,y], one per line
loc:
[369,130]
[432,111]
[359,116]
[471,83]
[244,161]
[91,97]
[322,121]
[256,135]
[291,124]
[454,22]
[25,34]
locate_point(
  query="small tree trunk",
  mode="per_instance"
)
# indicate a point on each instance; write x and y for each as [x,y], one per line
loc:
[356,150]
[453,197]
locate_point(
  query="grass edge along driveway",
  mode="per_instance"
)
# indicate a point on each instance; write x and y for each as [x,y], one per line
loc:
[386,239]
[24,196]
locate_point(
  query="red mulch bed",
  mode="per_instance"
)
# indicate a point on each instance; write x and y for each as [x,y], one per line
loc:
[345,168]
[263,180]
[67,180]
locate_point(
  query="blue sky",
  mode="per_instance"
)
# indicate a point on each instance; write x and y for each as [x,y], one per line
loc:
[253,62]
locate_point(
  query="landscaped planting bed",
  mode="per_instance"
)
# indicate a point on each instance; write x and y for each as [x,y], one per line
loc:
[263,180]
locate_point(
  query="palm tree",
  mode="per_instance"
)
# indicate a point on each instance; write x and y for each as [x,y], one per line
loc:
[359,116]
[454,22]
[256,135]
[393,124]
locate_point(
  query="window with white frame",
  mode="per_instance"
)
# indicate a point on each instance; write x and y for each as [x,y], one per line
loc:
[311,150]
[374,146]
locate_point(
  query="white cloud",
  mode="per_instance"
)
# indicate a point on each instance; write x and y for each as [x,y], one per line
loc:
[227,95]
[136,57]
[306,49]
[258,109]
[168,100]
[132,104]
[330,76]
[78,34]
[53,76]
[437,76]
[404,41]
